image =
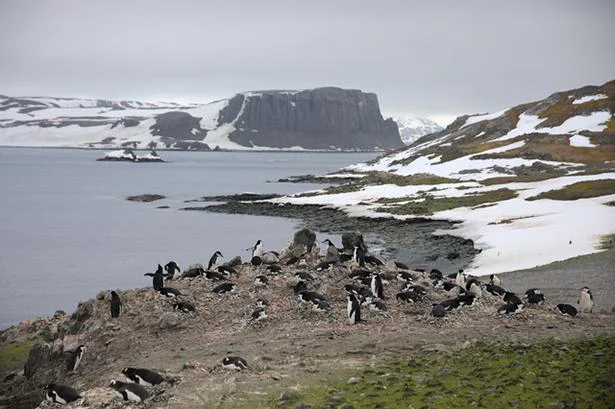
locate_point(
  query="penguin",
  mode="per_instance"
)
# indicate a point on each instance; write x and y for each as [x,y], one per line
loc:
[586,301]
[373,261]
[130,391]
[566,309]
[320,305]
[213,261]
[359,274]
[116,305]
[535,298]
[173,271]
[226,270]
[353,289]
[224,288]
[377,306]
[158,280]
[256,261]
[376,285]
[532,291]
[257,249]
[510,308]
[299,287]
[435,274]
[333,254]
[495,280]
[310,297]
[62,394]
[262,303]
[143,376]
[512,298]
[322,266]
[450,304]
[466,299]
[474,286]
[234,362]
[274,269]
[170,292]
[460,279]
[184,306]
[448,286]
[354,309]
[495,289]
[261,281]
[417,289]
[193,272]
[214,276]
[259,314]
[404,276]
[401,266]
[303,275]
[359,256]
[408,297]
[74,358]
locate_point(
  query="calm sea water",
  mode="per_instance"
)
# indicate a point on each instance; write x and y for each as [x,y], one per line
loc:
[67,232]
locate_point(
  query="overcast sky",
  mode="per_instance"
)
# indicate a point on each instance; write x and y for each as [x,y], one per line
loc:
[429,58]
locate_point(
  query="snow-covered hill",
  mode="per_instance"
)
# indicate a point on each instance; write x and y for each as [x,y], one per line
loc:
[412,128]
[345,120]
[531,184]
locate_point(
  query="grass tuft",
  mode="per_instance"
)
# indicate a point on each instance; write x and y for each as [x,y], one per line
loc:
[580,190]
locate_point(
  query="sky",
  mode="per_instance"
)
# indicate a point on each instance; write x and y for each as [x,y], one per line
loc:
[436,59]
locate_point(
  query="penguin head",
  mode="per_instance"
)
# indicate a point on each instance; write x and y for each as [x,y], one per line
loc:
[114,383]
[81,348]
[49,387]
[127,371]
[328,242]
[114,295]
[585,290]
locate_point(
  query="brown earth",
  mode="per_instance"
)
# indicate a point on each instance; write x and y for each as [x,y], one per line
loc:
[293,349]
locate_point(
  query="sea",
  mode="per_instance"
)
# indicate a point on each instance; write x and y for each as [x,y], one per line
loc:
[67,231]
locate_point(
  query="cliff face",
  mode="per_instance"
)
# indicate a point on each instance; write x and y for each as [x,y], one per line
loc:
[323,118]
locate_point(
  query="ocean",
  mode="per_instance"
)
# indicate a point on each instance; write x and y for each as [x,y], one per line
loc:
[67,231]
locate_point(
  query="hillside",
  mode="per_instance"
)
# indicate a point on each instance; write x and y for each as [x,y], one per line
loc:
[531,184]
[412,128]
[318,119]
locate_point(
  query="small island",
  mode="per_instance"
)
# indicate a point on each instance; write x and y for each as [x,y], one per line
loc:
[128,155]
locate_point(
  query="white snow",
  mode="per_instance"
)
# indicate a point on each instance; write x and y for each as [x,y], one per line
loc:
[119,154]
[595,122]
[484,117]
[588,98]
[581,141]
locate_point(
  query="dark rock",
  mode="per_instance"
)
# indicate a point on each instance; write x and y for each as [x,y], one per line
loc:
[322,118]
[179,126]
[84,311]
[38,356]
[304,238]
[352,240]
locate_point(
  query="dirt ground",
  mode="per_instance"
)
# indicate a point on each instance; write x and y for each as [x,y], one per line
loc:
[296,347]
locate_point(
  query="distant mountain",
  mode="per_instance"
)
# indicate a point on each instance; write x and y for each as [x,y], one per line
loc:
[412,128]
[320,119]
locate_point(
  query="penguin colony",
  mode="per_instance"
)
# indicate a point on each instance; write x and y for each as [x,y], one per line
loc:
[368,284]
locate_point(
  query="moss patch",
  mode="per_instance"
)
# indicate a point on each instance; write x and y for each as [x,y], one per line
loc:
[431,204]
[580,190]
[13,356]
[551,374]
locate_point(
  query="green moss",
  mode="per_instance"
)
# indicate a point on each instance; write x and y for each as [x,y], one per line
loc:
[431,205]
[14,355]
[580,190]
[571,374]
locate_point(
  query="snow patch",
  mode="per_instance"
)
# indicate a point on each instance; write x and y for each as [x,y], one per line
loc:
[588,98]
[484,117]
[581,141]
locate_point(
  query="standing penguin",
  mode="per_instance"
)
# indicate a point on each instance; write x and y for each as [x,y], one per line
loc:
[359,256]
[495,280]
[586,301]
[257,249]
[158,280]
[376,286]
[62,394]
[130,391]
[354,309]
[333,254]
[173,271]
[74,358]
[213,261]
[116,305]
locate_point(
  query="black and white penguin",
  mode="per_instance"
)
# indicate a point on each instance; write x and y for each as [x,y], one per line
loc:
[299,287]
[234,362]
[257,249]
[170,292]
[449,286]
[358,256]
[495,280]
[143,376]
[320,305]
[435,274]
[532,291]
[450,304]
[417,289]
[495,289]
[259,314]
[332,255]
[566,309]
[303,275]
[460,279]
[359,274]
[274,269]
[474,286]
[62,394]
[262,303]
[408,296]
[74,358]
[466,299]
[354,309]
[586,301]
[535,298]
[323,266]
[193,272]
[226,270]
[376,286]
[130,391]
[224,288]
[173,271]
[404,276]
[375,305]
[116,305]
[261,281]
[510,308]
[353,289]
[512,298]
[214,276]
[373,261]
[158,280]
[184,306]
[213,261]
